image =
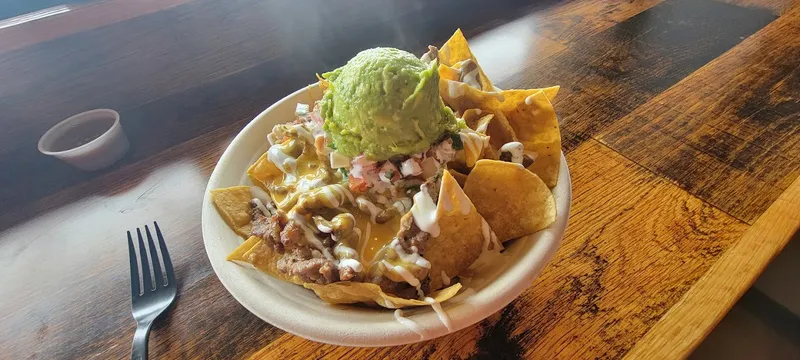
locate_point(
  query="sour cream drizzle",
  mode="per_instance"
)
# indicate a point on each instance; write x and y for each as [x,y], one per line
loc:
[410,258]
[516,150]
[402,205]
[351,263]
[260,206]
[405,274]
[424,213]
[437,307]
[445,279]
[489,237]
[286,163]
[337,194]
[308,232]
[373,210]
[410,324]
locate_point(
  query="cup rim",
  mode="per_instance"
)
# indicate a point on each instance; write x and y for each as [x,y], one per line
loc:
[53,132]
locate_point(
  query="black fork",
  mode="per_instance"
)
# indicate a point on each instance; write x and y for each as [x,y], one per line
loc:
[151,296]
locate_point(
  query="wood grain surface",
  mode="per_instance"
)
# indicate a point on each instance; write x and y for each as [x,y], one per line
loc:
[680,120]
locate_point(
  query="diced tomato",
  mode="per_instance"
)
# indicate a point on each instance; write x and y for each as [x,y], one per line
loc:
[358,185]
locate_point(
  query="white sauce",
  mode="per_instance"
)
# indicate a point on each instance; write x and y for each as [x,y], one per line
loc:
[324,228]
[284,162]
[471,79]
[445,279]
[529,100]
[303,133]
[402,205]
[410,258]
[437,307]
[308,232]
[405,274]
[425,215]
[308,183]
[489,237]
[516,150]
[259,193]
[486,231]
[260,206]
[352,263]
[410,324]
[410,167]
[343,251]
[482,127]
[456,89]
[373,210]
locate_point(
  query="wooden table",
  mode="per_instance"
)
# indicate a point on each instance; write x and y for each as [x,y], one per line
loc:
[680,121]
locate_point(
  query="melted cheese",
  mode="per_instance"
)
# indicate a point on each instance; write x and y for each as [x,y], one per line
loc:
[375,235]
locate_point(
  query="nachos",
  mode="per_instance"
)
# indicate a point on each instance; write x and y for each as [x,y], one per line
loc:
[389,187]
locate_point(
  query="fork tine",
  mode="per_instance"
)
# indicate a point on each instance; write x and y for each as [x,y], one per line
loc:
[134,268]
[147,281]
[165,255]
[159,280]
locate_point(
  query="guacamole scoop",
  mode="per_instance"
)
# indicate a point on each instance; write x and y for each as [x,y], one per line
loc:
[385,102]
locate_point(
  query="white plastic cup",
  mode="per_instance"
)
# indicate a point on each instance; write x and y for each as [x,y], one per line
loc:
[90,140]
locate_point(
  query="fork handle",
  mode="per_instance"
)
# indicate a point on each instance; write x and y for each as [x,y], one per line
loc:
[139,349]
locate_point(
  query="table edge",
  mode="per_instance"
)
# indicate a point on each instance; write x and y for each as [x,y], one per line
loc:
[686,324]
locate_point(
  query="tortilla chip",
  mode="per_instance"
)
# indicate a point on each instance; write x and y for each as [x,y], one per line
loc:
[536,125]
[357,292]
[460,177]
[456,50]
[261,256]
[514,201]
[233,206]
[449,73]
[498,128]
[263,172]
[460,240]
[238,253]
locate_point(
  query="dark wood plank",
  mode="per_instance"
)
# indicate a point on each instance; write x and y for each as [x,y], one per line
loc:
[167,72]
[778,7]
[73,300]
[80,17]
[609,74]
[732,125]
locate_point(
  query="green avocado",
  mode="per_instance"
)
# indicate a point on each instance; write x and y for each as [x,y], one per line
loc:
[385,102]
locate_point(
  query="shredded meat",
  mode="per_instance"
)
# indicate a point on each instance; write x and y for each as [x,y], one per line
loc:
[299,259]
[506,156]
[403,290]
[431,187]
[346,273]
[316,270]
[411,235]
[268,227]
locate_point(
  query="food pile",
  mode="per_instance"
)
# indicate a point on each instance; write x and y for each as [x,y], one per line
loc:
[393,184]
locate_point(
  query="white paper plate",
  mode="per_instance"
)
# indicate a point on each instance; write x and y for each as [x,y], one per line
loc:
[298,311]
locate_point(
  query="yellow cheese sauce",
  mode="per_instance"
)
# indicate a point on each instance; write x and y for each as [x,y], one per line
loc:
[378,235]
